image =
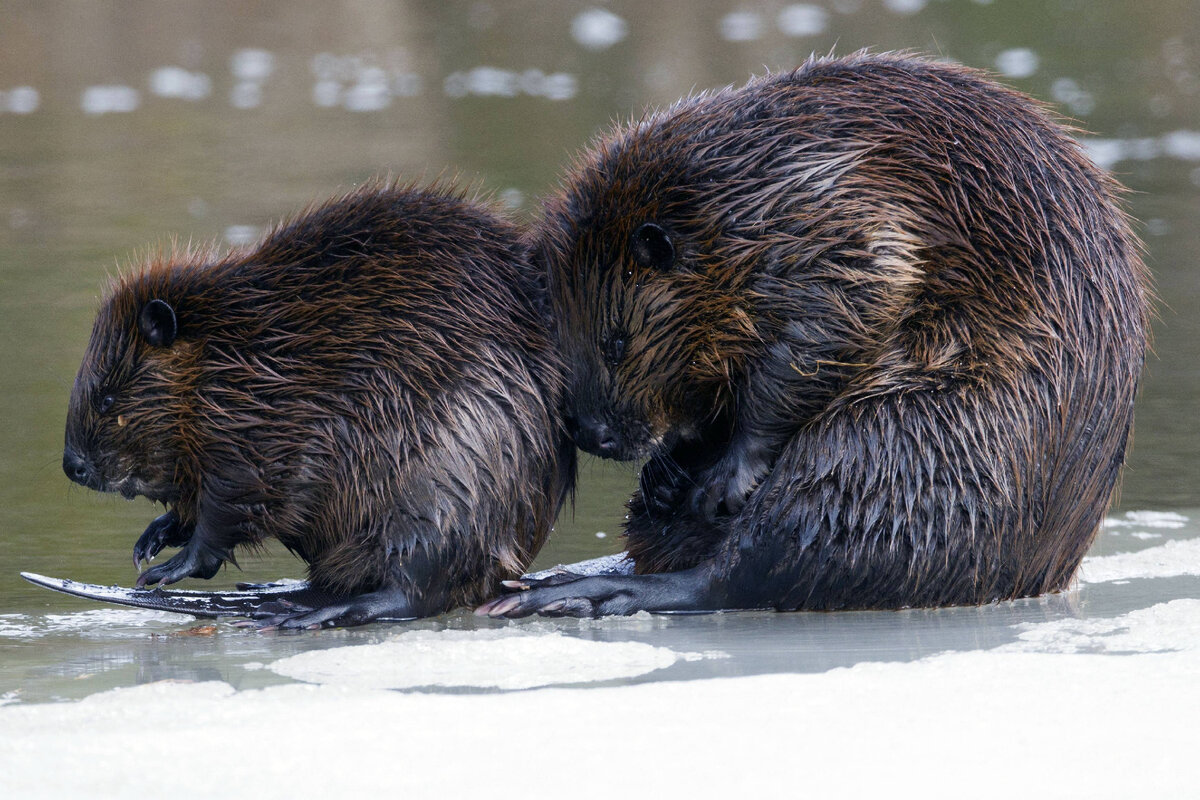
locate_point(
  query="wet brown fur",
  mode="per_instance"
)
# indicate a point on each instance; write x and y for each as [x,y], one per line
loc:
[895,359]
[373,385]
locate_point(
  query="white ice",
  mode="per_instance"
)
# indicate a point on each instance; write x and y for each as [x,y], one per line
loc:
[988,724]
[1173,559]
[501,659]
[1166,627]
[1092,707]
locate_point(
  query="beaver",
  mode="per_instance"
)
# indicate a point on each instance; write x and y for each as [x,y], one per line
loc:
[877,324]
[375,385]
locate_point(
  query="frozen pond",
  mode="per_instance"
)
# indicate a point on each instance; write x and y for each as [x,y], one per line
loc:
[1036,682]
[1139,590]
[122,126]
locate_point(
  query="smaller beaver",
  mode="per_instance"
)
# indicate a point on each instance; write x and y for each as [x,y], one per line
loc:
[373,384]
[876,323]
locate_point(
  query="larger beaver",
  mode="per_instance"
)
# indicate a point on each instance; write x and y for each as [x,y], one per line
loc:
[877,324]
[374,385]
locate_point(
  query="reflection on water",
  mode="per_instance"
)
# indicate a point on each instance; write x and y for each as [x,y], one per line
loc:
[20,100]
[1018,62]
[123,126]
[1180,145]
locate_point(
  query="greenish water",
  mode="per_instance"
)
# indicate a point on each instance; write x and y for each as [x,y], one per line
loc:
[125,126]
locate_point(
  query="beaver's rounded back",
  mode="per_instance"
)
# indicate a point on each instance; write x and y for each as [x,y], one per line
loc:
[880,317]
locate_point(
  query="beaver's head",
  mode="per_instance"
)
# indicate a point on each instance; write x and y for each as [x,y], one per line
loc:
[123,423]
[651,292]
[694,249]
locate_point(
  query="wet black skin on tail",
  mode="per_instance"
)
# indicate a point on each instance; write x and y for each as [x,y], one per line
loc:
[886,355]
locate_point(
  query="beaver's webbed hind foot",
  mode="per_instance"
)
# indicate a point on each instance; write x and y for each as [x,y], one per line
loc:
[602,595]
[391,604]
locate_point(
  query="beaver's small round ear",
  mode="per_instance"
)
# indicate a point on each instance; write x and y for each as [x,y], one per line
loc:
[157,323]
[652,246]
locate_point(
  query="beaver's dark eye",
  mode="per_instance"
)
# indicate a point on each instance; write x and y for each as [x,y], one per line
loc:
[614,349]
[652,247]
[105,404]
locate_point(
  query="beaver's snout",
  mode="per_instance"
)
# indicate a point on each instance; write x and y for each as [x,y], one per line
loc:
[80,469]
[596,437]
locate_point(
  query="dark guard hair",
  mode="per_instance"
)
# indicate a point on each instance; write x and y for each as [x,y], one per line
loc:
[374,385]
[877,324]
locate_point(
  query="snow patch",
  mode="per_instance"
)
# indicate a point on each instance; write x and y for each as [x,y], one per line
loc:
[1147,519]
[1057,716]
[501,659]
[1165,627]
[1173,559]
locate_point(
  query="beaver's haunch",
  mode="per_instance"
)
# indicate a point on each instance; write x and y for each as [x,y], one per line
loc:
[878,325]
[374,385]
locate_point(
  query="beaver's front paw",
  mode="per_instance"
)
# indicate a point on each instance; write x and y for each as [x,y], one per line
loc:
[195,560]
[165,531]
[663,485]
[724,487]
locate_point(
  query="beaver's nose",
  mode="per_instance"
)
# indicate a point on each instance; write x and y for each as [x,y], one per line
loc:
[595,436]
[77,467]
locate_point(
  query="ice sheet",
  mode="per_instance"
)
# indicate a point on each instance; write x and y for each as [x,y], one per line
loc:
[999,723]
[1173,626]
[1174,558]
[501,659]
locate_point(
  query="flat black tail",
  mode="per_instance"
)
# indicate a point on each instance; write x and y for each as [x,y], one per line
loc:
[254,601]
